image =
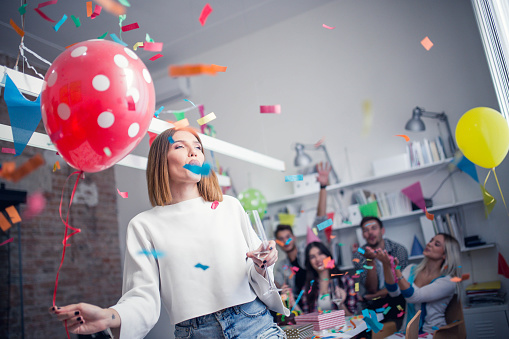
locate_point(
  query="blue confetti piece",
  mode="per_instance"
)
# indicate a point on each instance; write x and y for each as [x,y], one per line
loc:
[288,241]
[190,102]
[361,250]
[367,267]
[434,328]
[117,40]
[170,139]
[298,177]
[201,170]
[324,224]
[152,252]
[58,24]
[358,272]
[156,113]
[380,310]
[203,267]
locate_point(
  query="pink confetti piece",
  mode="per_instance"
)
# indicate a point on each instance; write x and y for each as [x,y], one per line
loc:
[130,27]
[328,27]
[97,12]
[214,205]
[153,46]
[205,12]
[130,103]
[426,43]
[44,4]
[36,202]
[400,314]
[7,241]
[8,150]
[155,57]
[276,109]
[385,306]
[124,195]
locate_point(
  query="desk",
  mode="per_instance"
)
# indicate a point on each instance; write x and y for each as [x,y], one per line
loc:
[348,329]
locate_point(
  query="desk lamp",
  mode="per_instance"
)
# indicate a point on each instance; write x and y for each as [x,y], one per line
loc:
[303,159]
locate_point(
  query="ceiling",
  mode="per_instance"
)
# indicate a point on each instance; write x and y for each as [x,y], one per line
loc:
[175,23]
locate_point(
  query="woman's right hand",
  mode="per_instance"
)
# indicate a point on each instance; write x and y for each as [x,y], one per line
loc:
[323,171]
[85,318]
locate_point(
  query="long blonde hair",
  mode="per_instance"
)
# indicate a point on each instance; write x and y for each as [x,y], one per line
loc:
[452,264]
[158,175]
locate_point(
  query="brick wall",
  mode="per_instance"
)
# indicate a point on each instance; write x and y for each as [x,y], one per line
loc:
[92,268]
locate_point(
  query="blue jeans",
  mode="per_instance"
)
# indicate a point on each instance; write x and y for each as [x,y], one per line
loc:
[247,321]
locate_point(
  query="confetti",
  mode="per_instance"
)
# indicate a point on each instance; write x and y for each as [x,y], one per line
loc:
[156,113]
[107,151]
[280,243]
[35,205]
[399,307]
[153,253]
[465,276]
[76,21]
[276,109]
[298,177]
[356,287]
[202,170]
[288,241]
[214,204]
[170,139]
[426,43]
[398,267]
[28,167]
[17,29]
[181,123]
[361,250]
[56,166]
[206,119]
[6,241]
[102,36]
[355,260]
[4,223]
[13,214]
[387,309]
[203,267]
[367,267]
[138,44]
[117,39]
[8,150]
[124,195]
[195,69]
[328,263]
[60,23]
[324,225]
[130,27]
[355,276]
[400,314]
[97,12]
[429,215]
[153,46]
[407,139]
[328,27]
[205,12]
[353,324]
[298,299]
[44,4]
[22,9]
[380,310]
[367,117]
[89,9]
[455,279]
[155,57]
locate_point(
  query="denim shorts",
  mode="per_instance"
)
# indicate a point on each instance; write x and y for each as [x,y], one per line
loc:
[246,321]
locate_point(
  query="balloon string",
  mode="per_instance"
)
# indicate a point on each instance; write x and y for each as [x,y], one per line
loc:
[66,237]
[500,190]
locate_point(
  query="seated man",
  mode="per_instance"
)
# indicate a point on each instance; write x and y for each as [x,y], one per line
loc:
[294,258]
[373,279]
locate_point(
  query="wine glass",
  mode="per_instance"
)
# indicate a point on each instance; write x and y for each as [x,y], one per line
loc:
[337,296]
[262,235]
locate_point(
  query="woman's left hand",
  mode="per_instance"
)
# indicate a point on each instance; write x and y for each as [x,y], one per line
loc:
[264,262]
[383,256]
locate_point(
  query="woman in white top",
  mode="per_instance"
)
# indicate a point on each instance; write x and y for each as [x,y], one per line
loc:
[192,251]
[427,286]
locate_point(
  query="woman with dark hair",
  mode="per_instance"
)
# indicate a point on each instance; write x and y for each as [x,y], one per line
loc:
[320,287]
[427,286]
[191,251]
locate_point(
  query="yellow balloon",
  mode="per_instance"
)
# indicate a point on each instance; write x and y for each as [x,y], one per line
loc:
[482,134]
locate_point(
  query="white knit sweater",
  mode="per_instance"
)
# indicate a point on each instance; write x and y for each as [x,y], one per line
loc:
[184,235]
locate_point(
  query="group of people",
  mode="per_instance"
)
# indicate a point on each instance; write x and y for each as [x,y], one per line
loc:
[214,282]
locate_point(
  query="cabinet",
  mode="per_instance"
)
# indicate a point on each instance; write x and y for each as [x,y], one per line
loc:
[466,202]
[487,322]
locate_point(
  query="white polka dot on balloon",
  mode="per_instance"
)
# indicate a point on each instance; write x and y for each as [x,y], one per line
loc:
[133,130]
[79,51]
[52,78]
[131,53]
[101,82]
[146,75]
[63,110]
[133,92]
[121,61]
[105,119]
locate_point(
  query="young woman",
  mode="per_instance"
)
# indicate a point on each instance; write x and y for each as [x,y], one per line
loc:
[320,287]
[208,281]
[427,286]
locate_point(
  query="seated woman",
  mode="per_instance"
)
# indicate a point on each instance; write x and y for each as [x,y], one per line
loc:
[426,286]
[320,285]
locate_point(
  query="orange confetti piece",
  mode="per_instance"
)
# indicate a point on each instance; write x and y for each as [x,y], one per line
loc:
[13,214]
[465,276]
[181,123]
[407,139]
[333,275]
[4,223]
[426,43]
[56,166]
[111,6]
[197,69]
[17,29]
[332,236]
[353,324]
[429,215]
[355,260]
[218,68]
[455,279]
[89,9]
[66,47]
[280,243]
[28,167]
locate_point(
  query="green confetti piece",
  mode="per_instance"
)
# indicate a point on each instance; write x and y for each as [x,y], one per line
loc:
[398,267]
[387,309]
[76,20]
[22,9]
[125,3]
[102,36]
[179,115]
[148,39]
[340,244]
[325,295]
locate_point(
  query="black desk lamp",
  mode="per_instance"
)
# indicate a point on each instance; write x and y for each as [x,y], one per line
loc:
[303,159]
[416,124]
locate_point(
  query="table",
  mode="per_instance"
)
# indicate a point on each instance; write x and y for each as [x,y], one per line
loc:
[348,329]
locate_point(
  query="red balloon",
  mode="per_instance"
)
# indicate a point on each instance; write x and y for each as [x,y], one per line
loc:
[97,103]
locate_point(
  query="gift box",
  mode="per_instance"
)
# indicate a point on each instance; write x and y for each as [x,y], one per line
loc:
[298,331]
[322,320]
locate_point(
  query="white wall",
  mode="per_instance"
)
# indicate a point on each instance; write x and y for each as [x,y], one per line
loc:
[321,77]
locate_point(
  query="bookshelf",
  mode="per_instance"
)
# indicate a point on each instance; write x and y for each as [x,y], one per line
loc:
[463,250]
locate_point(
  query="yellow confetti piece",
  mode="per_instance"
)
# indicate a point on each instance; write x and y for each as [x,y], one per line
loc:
[367,120]
[356,287]
[206,119]
[399,307]
[56,166]
[138,44]
[315,231]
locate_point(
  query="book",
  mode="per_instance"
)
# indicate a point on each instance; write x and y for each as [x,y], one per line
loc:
[434,151]
[441,149]
[418,151]
[426,151]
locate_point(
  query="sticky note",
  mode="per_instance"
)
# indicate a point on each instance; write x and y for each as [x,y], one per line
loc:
[4,223]
[298,177]
[276,109]
[426,43]
[205,12]
[130,27]
[124,195]
[361,250]
[206,119]
[214,205]
[324,225]
[203,267]
[155,57]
